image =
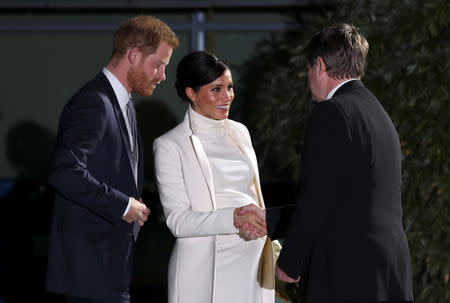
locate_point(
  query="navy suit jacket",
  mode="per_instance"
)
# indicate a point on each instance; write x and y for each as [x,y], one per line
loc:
[91,247]
[345,238]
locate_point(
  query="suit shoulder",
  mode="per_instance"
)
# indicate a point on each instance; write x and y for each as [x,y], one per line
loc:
[90,93]
[87,101]
[332,115]
[352,96]
[329,107]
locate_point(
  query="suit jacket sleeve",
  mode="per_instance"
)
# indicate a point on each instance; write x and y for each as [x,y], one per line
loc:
[277,220]
[325,143]
[181,219]
[82,125]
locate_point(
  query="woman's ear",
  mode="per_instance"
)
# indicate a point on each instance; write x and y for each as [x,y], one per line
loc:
[192,95]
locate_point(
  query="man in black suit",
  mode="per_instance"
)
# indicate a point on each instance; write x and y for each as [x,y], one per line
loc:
[344,241]
[97,169]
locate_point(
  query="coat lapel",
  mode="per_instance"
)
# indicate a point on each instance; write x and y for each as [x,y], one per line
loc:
[201,157]
[204,165]
[245,146]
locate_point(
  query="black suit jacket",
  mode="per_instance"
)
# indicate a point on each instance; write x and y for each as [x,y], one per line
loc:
[345,238]
[91,247]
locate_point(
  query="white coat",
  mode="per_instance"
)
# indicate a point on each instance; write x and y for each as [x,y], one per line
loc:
[186,191]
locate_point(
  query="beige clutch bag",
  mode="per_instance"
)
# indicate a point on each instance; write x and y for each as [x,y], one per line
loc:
[266,269]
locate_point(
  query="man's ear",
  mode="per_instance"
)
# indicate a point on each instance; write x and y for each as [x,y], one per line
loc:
[192,95]
[133,54]
[321,66]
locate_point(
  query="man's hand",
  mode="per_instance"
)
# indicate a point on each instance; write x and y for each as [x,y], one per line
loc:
[137,211]
[251,221]
[146,213]
[281,275]
[253,208]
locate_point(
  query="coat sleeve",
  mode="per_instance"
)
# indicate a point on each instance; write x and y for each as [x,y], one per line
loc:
[277,219]
[180,218]
[325,145]
[82,126]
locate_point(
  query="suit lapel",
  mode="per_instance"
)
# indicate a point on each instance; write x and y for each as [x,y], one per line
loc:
[121,122]
[140,174]
[123,131]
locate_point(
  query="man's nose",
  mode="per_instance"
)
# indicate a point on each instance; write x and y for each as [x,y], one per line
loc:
[162,73]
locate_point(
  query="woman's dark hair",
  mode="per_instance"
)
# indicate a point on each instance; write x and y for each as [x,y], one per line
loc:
[197,69]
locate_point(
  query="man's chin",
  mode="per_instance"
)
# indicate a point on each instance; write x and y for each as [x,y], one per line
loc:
[145,93]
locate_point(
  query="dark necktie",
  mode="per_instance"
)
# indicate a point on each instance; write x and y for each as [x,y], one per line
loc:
[131,115]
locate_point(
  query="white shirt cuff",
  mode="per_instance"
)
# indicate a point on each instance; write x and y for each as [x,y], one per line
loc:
[128,207]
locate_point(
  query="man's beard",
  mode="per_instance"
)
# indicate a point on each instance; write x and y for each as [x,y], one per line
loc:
[139,82]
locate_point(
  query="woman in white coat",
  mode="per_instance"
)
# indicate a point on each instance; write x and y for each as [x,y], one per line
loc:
[206,169]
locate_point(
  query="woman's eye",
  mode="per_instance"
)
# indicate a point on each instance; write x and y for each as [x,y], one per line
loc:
[216,89]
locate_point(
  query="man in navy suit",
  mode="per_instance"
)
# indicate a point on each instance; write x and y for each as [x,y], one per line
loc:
[97,169]
[344,241]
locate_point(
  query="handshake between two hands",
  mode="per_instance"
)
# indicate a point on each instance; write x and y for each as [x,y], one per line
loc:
[251,221]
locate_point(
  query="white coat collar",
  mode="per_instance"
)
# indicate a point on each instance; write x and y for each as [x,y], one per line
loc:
[201,157]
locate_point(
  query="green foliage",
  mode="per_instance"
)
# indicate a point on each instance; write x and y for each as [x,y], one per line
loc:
[408,70]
